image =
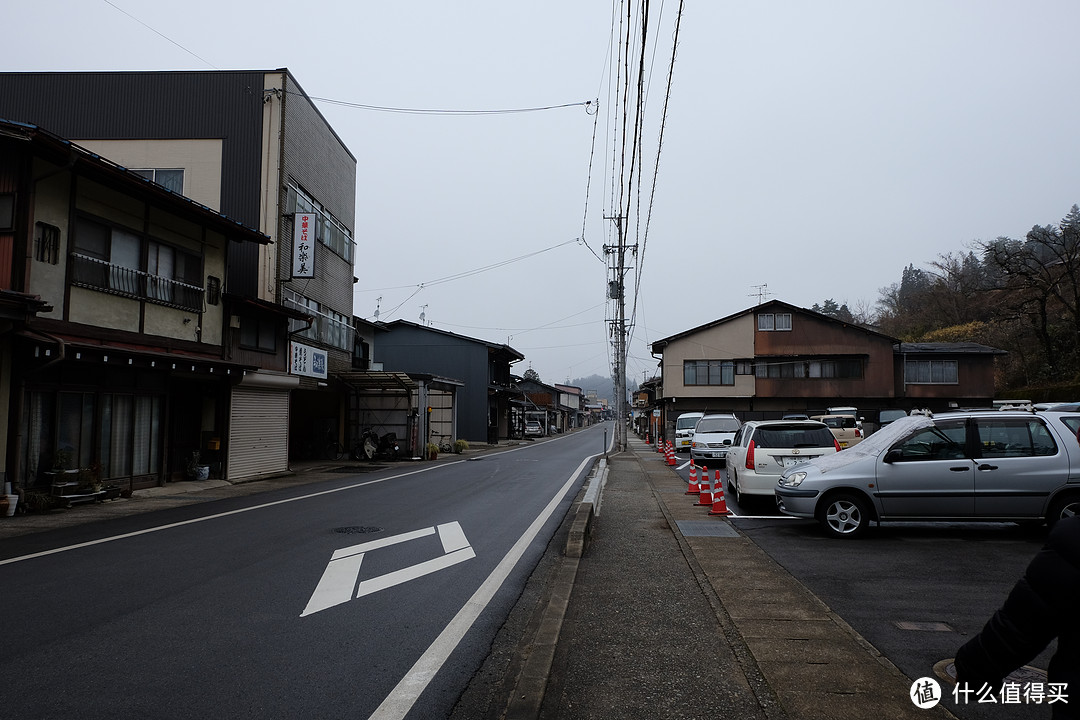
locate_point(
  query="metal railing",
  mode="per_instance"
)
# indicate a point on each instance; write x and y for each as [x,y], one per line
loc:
[106,277]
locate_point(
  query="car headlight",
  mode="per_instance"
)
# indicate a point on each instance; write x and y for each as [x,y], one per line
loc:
[793,480]
[697,445]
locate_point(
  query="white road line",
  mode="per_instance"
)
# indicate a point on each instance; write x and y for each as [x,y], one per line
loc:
[384,542]
[412,572]
[453,537]
[401,699]
[336,585]
[159,528]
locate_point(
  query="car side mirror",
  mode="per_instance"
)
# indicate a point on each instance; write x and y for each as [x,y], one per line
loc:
[894,455]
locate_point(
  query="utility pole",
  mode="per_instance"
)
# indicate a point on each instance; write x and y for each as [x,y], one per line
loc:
[617,292]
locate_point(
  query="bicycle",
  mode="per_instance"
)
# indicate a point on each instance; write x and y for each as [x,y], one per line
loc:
[445,446]
[333,450]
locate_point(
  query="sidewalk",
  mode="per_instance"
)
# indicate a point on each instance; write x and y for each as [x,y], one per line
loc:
[674,614]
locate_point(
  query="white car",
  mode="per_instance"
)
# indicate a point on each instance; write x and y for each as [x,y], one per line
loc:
[533,429]
[763,449]
[684,430]
[712,437]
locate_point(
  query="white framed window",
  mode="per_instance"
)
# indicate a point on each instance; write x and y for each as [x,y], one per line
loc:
[168,178]
[931,372]
[768,322]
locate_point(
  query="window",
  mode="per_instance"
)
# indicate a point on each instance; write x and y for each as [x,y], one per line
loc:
[258,333]
[774,321]
[171,179]
[329,327]
[931,372]
[116,260]
[1014,438]
[839,368]
[122,432]
[946,441]
[708,372]
[7,211]
[47,243]
[328,230]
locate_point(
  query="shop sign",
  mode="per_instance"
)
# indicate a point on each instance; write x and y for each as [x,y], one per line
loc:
[307,361]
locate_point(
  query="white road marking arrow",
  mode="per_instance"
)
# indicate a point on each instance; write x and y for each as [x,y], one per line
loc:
[340,577]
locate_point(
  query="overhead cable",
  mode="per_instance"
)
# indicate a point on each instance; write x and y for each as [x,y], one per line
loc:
[587,104]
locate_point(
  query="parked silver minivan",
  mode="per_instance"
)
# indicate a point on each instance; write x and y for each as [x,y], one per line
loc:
[976,465]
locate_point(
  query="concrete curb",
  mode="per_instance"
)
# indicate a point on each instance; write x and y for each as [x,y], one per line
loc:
[527,695]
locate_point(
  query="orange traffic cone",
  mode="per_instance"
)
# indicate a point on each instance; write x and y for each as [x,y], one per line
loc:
[705,495]
[719,505]
[694,487]
[670,454]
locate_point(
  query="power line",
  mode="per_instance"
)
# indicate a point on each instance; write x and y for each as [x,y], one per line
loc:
[587,104]
[166,37]
[470,273]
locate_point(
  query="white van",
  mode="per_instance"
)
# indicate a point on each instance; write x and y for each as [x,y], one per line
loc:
[847,410]
[684,430]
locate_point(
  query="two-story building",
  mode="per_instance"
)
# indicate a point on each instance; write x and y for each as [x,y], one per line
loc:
[777,358]
[125,359]
[252,145]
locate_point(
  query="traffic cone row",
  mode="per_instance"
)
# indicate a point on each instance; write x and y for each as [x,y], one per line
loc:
[710,492]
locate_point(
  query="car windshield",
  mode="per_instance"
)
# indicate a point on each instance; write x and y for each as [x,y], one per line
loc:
[686,423]
[792,436]
[717,425]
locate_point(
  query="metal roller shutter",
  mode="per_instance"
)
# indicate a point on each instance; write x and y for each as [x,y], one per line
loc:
[258,432]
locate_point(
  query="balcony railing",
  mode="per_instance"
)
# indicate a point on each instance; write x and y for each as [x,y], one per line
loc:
[106,277]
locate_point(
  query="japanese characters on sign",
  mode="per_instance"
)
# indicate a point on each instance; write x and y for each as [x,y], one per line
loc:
[306,360]
[303,262]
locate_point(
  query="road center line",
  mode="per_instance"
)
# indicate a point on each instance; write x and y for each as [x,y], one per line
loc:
[401,699]
[159,528]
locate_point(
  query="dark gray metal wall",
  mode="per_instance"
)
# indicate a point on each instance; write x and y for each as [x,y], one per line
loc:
[413,349]
[159,105]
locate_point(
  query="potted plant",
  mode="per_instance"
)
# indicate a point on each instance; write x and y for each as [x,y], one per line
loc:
[432,451]
[460,446]
[90,476]
[195,469]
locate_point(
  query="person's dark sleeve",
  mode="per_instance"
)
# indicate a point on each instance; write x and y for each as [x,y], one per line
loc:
[1032,615]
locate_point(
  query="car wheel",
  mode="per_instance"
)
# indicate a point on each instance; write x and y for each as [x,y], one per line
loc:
[1063,508]
[844,515]
[738,492]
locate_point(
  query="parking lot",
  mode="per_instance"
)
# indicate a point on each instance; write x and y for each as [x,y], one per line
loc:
[915,591]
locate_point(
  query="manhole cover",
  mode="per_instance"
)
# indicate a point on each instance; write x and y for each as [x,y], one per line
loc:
[357,530]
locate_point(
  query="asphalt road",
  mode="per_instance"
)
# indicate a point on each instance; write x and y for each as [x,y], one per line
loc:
[915,591]
[372,595]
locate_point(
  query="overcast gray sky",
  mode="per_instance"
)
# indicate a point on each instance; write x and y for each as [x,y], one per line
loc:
[816,147]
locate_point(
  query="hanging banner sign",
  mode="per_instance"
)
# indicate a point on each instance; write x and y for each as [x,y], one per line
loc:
[307,361]
[303,257]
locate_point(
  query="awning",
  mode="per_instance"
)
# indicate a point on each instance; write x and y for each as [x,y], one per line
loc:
[384,381]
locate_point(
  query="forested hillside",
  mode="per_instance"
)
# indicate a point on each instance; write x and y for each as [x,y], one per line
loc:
[1019,295]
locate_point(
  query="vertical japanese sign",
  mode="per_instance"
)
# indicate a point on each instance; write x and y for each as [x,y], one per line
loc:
[303,259]
[306,360]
